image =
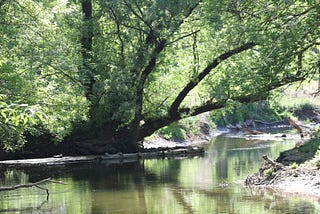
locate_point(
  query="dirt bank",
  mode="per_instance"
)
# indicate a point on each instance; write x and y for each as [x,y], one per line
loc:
[303,179]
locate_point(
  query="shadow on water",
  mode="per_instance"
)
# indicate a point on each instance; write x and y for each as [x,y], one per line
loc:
[199,185]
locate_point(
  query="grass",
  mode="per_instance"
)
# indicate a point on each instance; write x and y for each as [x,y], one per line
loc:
[311,146]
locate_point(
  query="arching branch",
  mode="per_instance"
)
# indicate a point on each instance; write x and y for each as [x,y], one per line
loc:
[194,82]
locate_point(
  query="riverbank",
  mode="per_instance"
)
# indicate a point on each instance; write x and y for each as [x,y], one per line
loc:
[303,180]
[296,171]
[299,173]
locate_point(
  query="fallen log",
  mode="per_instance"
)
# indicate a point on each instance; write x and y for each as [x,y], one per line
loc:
[153,153]
[149,155]
[50,161]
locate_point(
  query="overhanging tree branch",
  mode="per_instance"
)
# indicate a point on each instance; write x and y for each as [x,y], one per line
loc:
[195,81]
[153,124]
[59,70]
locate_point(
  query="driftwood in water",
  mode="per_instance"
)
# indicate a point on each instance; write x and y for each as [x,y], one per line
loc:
[251,132]
[61,160]
[35,184]
[296,126]
[272,163]
[175,152]
[262,177]
[154,153]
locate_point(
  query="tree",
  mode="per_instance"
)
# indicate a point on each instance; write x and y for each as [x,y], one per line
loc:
[147,48]
[139,65]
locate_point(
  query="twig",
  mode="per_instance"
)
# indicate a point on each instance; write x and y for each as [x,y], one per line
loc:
[182,37]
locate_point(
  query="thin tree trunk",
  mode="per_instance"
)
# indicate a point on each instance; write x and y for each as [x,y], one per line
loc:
[86,45]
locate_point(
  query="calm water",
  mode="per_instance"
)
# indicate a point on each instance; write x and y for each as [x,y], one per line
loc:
[194,185]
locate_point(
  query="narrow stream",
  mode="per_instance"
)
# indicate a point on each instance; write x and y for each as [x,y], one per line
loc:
[209,184]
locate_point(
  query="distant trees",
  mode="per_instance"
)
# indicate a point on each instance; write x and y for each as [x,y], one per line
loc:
[127,68]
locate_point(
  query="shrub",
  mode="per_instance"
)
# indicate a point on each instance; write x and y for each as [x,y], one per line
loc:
[173,132]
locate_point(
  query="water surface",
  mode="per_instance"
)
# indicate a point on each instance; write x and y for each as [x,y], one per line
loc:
[209,184]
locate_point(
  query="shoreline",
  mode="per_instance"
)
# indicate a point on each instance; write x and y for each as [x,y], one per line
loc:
[305,179]
[302,180]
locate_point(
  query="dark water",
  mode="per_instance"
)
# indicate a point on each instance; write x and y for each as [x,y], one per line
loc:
[208,184]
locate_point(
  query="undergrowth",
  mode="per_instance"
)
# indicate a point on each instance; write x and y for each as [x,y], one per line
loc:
[236,112]
[178,131]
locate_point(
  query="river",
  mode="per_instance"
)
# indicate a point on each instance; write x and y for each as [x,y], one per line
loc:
[208,184]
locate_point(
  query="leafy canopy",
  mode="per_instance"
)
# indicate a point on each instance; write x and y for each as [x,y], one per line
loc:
[151,62]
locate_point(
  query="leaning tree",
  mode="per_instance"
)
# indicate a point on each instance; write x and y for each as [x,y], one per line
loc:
[120,70]
[156,62]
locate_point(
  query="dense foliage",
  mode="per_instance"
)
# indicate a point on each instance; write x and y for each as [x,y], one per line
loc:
[128,68]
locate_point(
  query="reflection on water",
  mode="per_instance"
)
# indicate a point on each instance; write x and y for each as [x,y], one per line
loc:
[208,184]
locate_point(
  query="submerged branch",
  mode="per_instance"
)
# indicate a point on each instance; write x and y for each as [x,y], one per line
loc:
[35,184]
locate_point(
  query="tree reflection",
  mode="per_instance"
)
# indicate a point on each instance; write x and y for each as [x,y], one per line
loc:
[27,209]
[156,185]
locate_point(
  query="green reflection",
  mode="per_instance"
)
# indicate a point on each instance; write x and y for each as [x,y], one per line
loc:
[206,184]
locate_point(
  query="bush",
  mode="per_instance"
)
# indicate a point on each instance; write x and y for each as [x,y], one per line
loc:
[173,132]
[237,112]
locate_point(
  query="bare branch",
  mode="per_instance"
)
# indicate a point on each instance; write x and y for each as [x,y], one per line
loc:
[47,180]
[157,107]
[209,106]
[182,37]
[134,28]
[118,33]
[145,73]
